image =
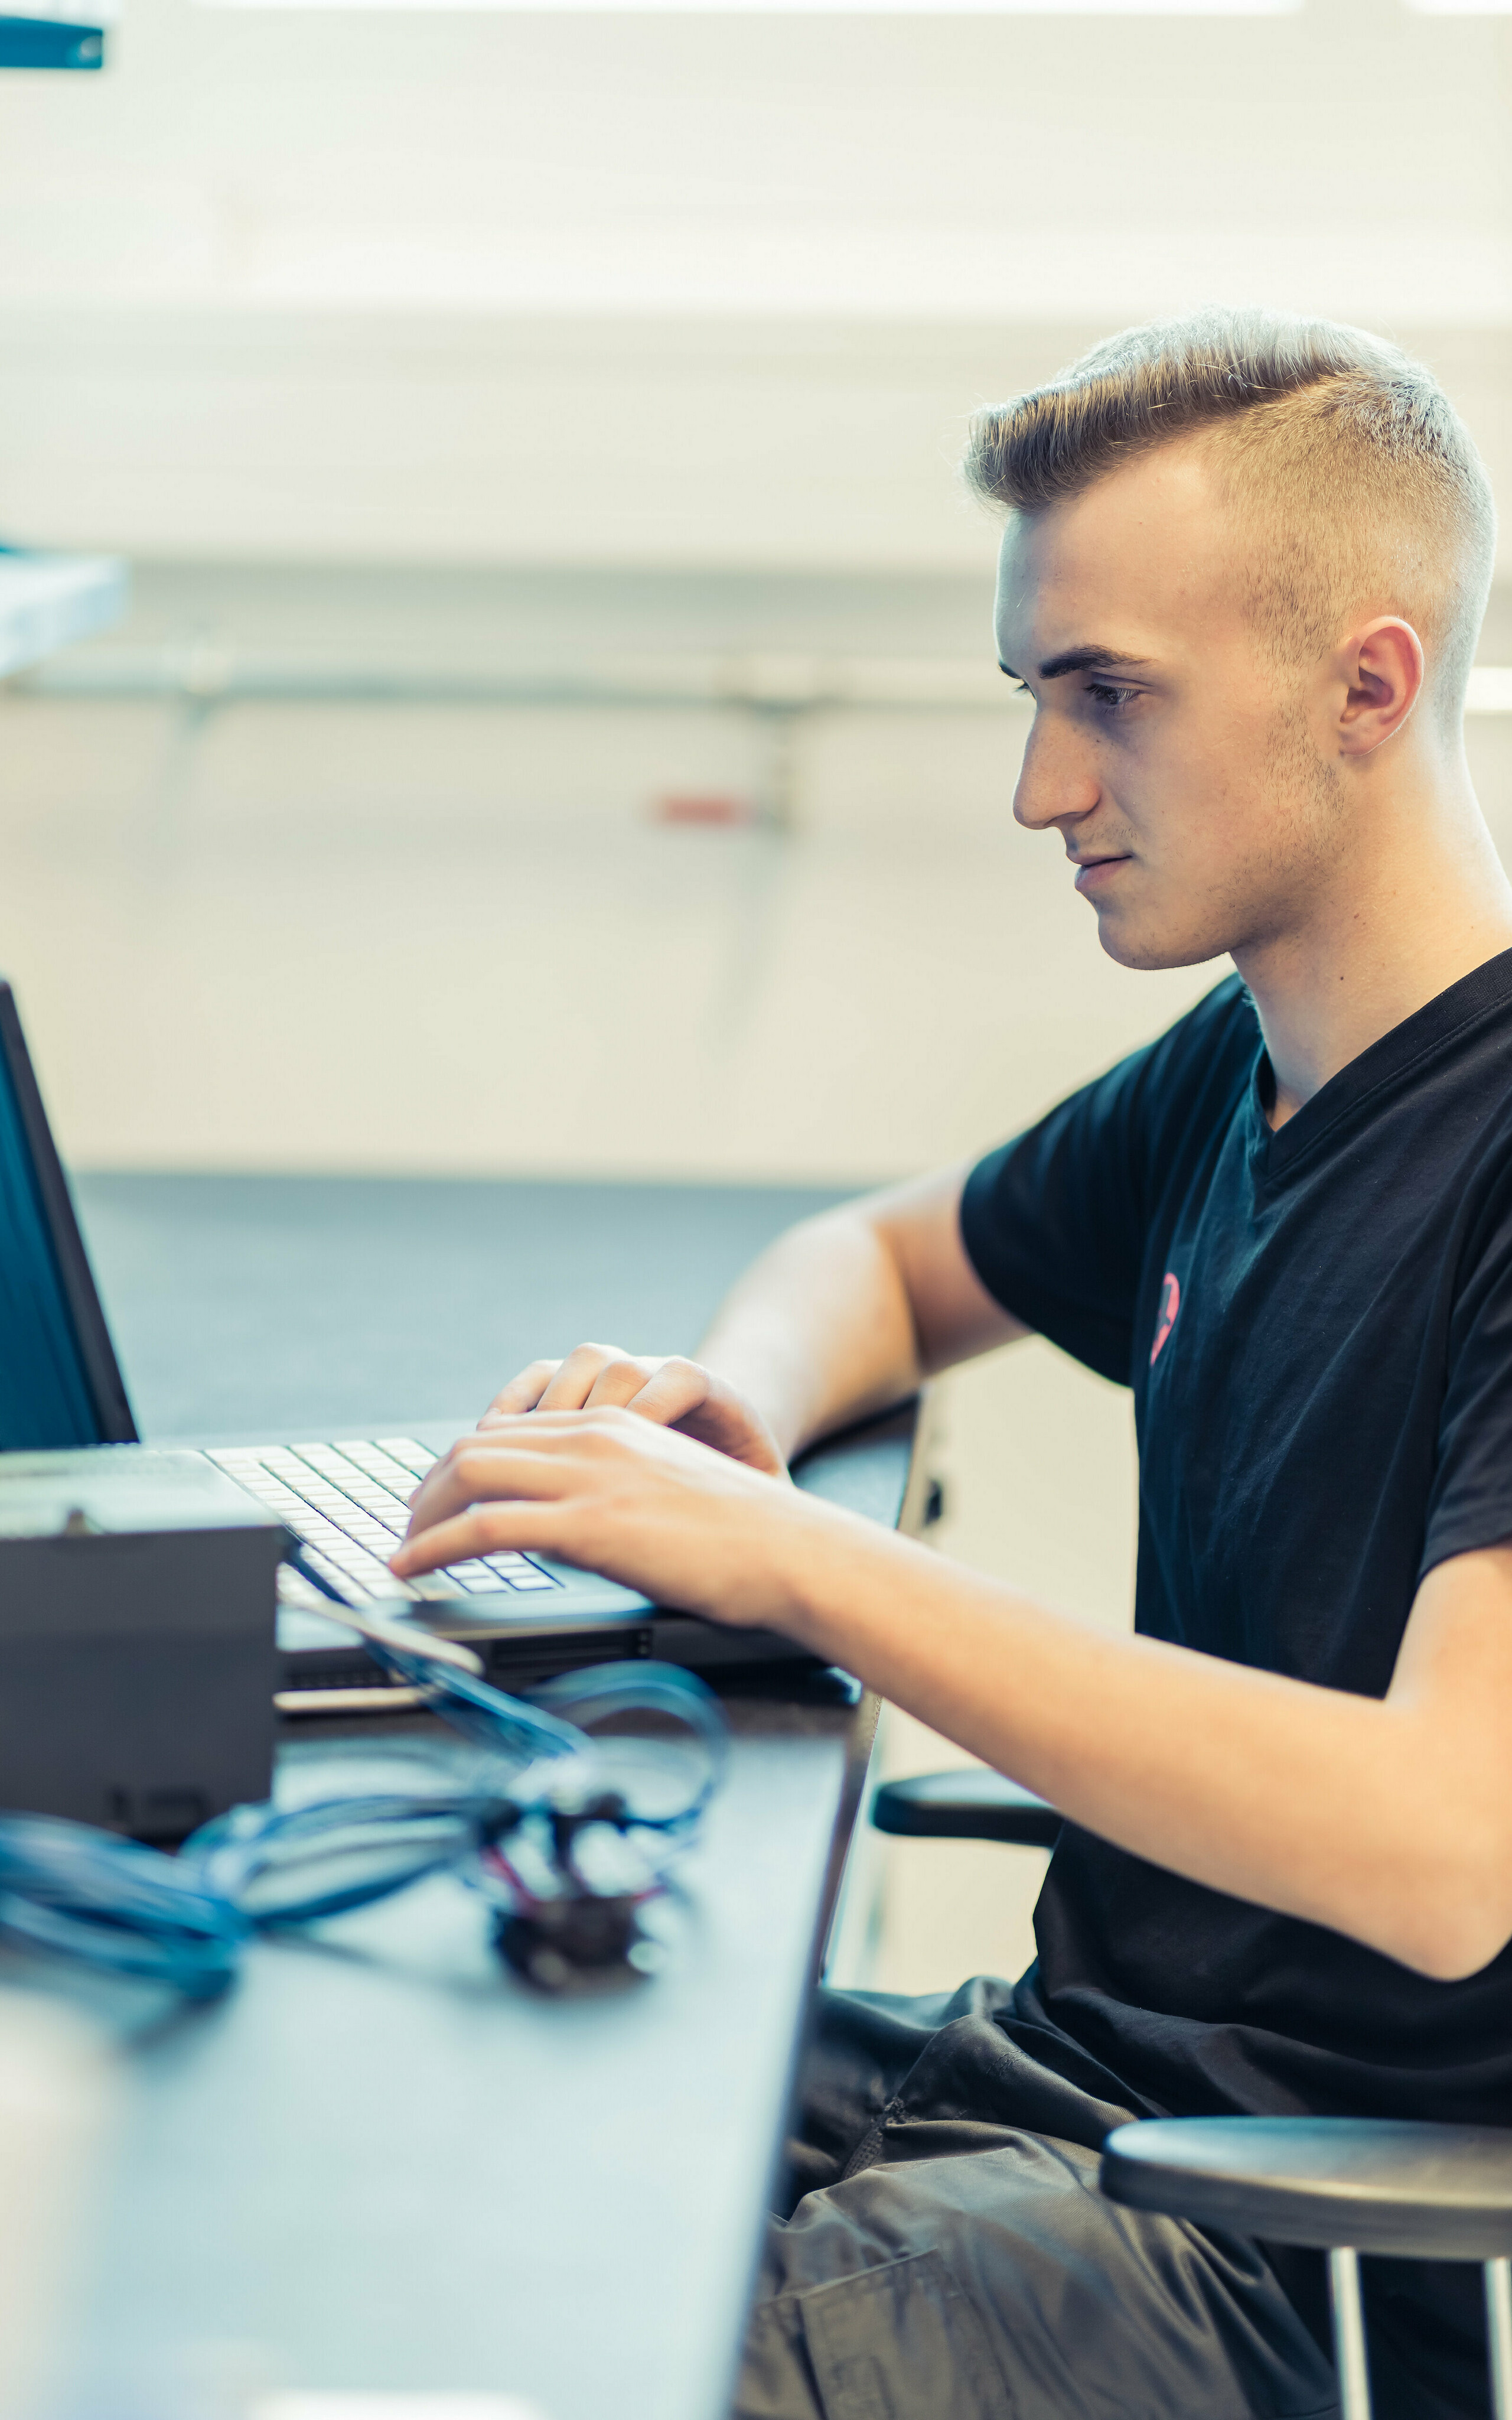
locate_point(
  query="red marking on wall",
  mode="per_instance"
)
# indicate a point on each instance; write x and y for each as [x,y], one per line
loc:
[705,807]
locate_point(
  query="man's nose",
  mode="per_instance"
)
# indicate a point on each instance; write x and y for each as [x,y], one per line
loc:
[1056,784]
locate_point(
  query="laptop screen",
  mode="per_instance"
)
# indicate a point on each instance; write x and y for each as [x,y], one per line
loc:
[60,1383]
[45,1398]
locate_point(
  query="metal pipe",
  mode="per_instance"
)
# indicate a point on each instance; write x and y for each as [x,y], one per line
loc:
[207,675]
[1348,2335]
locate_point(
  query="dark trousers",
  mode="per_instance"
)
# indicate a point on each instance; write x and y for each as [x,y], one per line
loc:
[945,2254]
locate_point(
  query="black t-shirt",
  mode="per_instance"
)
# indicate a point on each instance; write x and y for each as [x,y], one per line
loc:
[1317,1324]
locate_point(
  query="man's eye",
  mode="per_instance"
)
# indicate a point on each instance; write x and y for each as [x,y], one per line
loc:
[1107,696]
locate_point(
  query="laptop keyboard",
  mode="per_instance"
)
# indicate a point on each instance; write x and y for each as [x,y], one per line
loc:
[346,1505]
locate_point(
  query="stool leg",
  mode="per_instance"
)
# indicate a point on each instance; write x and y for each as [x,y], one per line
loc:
[1499,2335]
[1348,2335]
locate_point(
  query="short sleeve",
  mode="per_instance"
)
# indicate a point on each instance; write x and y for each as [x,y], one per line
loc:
[1055,1222]
[1470,1504]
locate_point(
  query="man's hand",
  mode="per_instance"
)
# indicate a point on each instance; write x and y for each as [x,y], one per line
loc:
[627,1497]
[673,1392]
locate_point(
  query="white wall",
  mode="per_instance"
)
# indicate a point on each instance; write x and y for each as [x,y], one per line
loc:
[524,287]
[348,937]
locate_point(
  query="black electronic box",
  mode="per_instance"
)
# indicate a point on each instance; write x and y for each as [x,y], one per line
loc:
[137,1649]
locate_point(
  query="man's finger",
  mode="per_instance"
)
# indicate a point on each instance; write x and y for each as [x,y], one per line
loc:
[486,1529]
[483,1470]
[683,1394]
[523,1392]
[620,1384]
[671,1392]
[573,1382]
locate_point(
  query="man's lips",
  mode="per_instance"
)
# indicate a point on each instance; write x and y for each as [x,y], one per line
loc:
[1093,873]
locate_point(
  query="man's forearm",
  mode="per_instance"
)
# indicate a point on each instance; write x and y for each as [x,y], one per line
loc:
[819,1330]
[847,1312]
[1382,1820]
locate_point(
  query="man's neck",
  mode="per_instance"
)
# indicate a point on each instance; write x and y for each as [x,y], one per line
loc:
[1372,956]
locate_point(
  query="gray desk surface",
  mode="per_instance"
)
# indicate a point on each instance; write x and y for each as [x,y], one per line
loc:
[380,2163]
[319,1304]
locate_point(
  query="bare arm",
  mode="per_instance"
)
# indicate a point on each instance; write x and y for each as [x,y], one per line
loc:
[1389,1820]
[847,1312]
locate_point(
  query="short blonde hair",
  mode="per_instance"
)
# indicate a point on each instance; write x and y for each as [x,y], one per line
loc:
[1363,480]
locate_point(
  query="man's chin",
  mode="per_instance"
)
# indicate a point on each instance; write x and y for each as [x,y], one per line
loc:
[1146,948]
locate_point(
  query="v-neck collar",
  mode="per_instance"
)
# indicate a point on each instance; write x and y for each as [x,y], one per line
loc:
[1276,1155]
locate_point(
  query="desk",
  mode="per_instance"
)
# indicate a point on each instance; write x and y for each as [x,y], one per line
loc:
[380,2162]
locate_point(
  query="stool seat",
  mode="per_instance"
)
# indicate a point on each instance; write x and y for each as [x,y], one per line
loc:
[1419,2192]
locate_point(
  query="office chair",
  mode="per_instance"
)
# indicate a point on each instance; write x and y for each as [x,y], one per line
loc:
[1340,2185]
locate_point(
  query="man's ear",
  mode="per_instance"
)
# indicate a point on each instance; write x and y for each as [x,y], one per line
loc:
[1382,671]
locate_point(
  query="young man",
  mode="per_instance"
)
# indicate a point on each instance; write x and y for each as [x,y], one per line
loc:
[1243,576]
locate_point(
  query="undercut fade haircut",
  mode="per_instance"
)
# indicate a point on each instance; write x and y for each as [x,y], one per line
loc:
[1352,479]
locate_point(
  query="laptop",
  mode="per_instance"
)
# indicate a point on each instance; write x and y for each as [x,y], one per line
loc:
[342,1500]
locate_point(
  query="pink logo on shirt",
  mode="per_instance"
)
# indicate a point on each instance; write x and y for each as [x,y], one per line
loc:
[1170,1303]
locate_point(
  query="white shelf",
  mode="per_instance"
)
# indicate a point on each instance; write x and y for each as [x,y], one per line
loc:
[49,600]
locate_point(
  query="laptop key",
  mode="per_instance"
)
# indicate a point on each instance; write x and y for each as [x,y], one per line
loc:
[347,1505]
[518,1572]
[413,1457]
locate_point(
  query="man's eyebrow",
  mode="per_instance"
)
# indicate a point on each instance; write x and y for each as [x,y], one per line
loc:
[1081,660]
[1088,659]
